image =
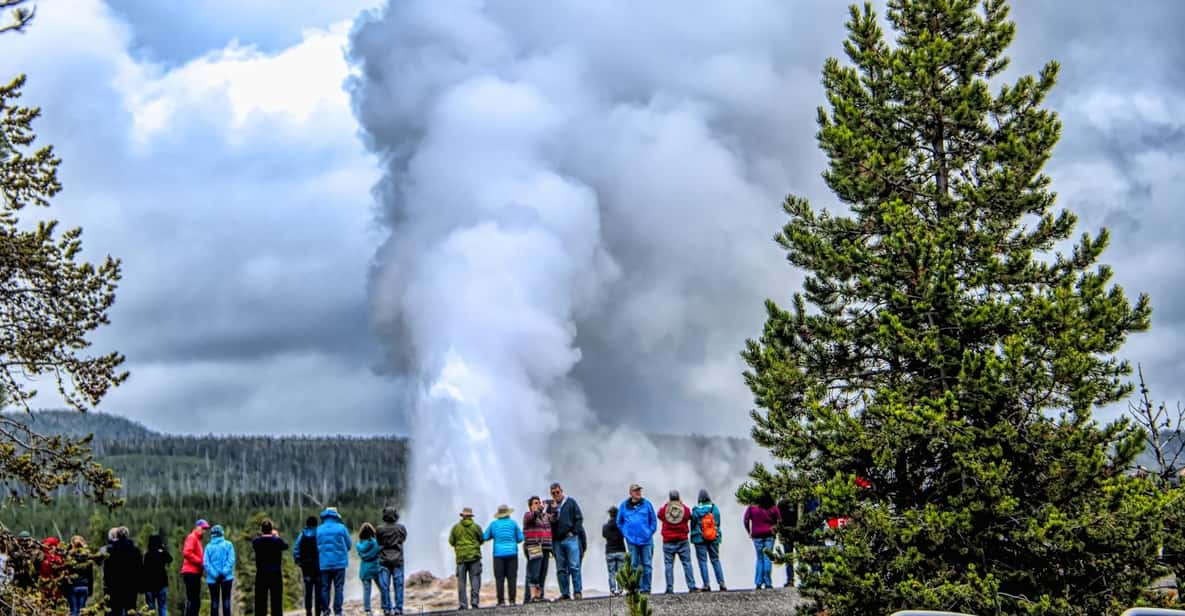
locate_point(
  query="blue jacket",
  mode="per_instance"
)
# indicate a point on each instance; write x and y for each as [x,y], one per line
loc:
[296,556]
[506,535]
[368,551]
[637,522]
[697,514]
[333,542]
[219,558]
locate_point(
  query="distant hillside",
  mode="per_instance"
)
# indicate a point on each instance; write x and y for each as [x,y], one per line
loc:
[232,469]
[72,423]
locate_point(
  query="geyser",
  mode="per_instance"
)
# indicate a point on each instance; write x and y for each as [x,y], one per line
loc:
[579,198]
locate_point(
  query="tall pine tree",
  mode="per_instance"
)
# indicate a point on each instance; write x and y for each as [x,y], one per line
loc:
[944,349]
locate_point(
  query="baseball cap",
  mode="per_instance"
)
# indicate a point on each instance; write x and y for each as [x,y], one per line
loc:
[635,486]
[202,524]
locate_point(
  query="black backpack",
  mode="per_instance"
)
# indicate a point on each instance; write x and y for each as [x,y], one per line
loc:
[309,557]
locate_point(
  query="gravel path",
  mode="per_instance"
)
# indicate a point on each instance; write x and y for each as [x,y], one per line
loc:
[779,602]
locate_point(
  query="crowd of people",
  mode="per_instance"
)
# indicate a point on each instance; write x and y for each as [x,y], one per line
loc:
[550,529]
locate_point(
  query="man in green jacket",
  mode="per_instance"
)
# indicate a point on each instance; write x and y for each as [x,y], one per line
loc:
[466,539]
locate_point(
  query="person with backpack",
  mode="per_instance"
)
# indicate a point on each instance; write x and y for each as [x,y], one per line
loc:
[79,583]
[760,521]
[368,567]
[220,570]
[269,550]
[676,528]
[506,535]
[537,545]
[705,536]
[466,539]
[333,552]
[304,552]
[193,566]
[391,536]
[121,573]
[637,521]
[614,550]
[567,532]
[155,575]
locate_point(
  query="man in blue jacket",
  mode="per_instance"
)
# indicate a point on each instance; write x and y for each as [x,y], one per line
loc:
[333,552]
[638,522]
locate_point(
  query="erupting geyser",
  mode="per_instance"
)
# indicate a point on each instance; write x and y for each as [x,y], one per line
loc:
[579,198]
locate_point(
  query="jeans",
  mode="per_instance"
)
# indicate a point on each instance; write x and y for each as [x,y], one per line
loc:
[312,593]
[705,552]
[366,584]
[335,579]
[537,574]
[469,572]
[682,549]
[269,591]
[764,570]
[158,601]
[76,599]
[567,566]
[220,595]
[506,575]
[193,593]
[614,561]
[641,557]
[389,576]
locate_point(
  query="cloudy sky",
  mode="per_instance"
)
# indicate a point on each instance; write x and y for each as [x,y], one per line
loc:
[224,152]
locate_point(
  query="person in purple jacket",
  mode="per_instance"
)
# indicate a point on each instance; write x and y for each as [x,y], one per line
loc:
[760,520]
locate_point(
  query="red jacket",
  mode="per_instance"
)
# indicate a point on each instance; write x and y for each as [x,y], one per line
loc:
[677,526]
[192,554]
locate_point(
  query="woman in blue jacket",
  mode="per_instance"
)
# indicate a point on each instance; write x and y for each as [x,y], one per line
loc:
[506,535]
[220,570]
[368,569]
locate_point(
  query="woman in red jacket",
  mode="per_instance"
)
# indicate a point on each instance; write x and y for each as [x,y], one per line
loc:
[193,567]
[760,521]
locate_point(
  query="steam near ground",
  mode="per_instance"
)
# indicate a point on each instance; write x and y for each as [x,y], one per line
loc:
[580,197]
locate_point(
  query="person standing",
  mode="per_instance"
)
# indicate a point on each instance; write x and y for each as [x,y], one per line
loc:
[269,550]
[537,531]
[466,539]
[122,568]
[676,528]
[220,571]
[391,536]
[506,535]
[567,527]
[155,575]
[193,566]
[760,520]
[304,552]
[614,550]
[637,521]
[705,536]
[368,565]
[80,581]
[333,554]
[49,569]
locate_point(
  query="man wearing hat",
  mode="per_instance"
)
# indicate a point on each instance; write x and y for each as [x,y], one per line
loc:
[193,565]
[466,539]
[637,521]
[506,535]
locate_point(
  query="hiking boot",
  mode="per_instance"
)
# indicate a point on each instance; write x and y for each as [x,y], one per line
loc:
[564,598]
[723,588]
[578,597]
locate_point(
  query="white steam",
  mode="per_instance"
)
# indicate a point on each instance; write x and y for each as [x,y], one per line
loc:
[580,197]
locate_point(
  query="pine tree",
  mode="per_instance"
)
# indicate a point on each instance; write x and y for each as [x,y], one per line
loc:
[943,349]
[630,580]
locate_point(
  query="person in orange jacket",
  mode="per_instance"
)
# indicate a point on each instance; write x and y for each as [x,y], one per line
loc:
[193,567]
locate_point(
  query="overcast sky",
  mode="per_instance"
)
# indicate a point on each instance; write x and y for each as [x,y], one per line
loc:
[213,147]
